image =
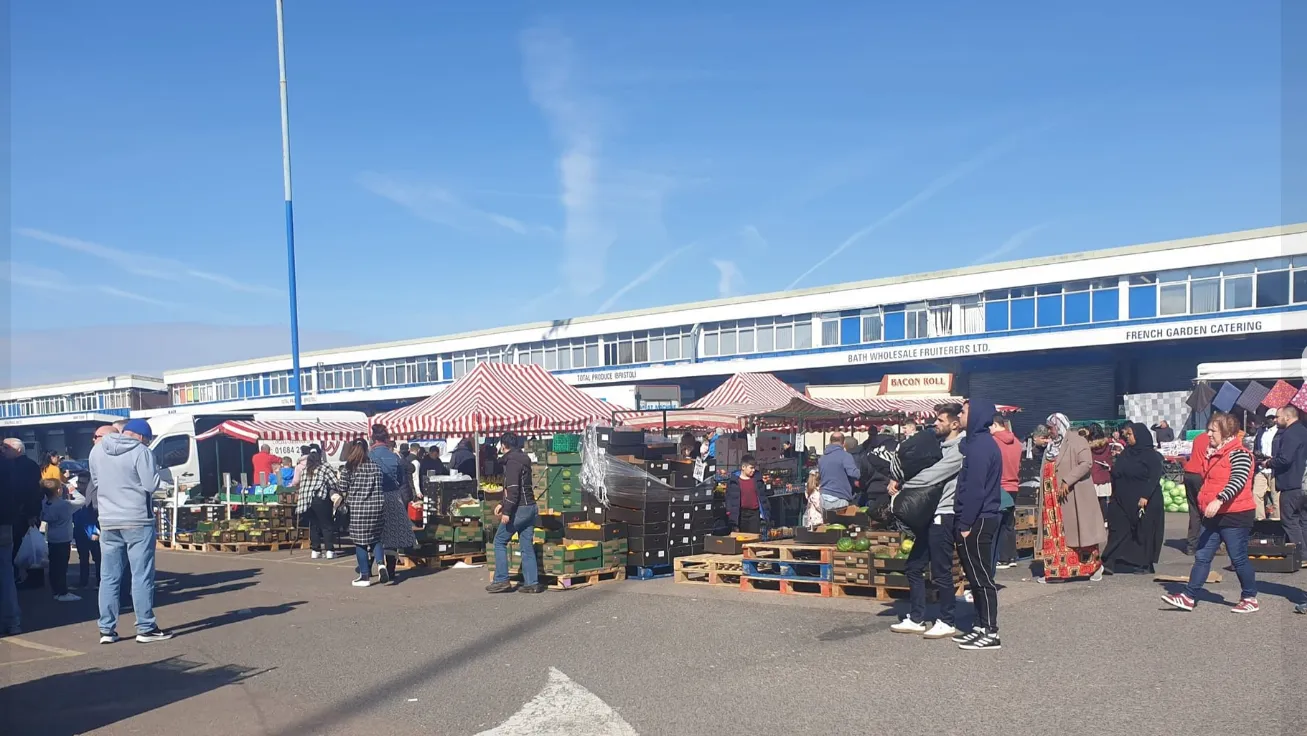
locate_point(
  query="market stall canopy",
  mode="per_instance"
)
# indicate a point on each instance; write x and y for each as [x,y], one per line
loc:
[499,397]
[287,431]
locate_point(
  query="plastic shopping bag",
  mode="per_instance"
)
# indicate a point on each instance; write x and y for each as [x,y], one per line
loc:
[33,552]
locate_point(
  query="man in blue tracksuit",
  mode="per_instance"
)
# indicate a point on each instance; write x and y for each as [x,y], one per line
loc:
[976,506]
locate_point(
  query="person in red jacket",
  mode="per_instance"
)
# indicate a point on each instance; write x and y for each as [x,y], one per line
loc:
[1193,480]
[1009,448]
[1228,509]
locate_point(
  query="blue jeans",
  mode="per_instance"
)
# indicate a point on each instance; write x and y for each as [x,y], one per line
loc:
[1236,544]
[364,566]
[524,524]
[134,547]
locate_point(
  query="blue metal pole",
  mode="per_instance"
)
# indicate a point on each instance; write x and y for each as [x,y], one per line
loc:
[290,215]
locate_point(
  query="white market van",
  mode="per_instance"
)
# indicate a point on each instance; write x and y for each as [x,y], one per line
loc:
[198,449]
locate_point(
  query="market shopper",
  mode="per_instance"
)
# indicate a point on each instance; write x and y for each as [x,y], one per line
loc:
[935,544]
[360,490]
[744,509]
[839,471]
[50,469]
[125,476]
[11,617]
[1073,521]
[57,513]
[1193,482]
[518,514]
[397,530]
[1228,515]
[266,466]
[1136,522]
[1103,454]
[464,459]
[1289,464]
[1164,432]
[318,481]
[1264,493]
[976,504]
[1009,446]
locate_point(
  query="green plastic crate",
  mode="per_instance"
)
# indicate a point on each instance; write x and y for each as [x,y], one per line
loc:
[566,443]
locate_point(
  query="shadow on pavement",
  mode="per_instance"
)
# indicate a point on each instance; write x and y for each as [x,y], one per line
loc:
[105,697]
[41,612]
[232,617]
[414,676]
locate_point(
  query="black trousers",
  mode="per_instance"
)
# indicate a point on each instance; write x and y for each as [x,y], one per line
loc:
[322,525]
[59,554]
[935,550]
[1007,536]
[976,551]
[88,550]
[750,521]
[1192,483]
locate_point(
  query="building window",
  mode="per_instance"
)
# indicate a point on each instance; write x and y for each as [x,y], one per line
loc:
[873,325]
[830,330]
[1273,287]
[917,321]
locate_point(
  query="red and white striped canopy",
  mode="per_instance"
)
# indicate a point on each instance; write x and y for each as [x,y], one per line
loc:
[745,398]
[287,431]
[748,389]
[499,397]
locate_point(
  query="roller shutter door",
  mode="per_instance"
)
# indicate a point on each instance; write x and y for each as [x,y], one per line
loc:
[1080,392]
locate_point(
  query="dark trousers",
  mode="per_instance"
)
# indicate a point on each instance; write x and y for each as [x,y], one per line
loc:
[322,525]
[976,550]
[59,554]
[935,550]
[750,521]
[1192,483]
[88,550]
[1005,547]
[1293,516]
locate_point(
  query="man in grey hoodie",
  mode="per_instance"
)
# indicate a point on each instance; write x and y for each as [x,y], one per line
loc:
[125,477]
[935,546]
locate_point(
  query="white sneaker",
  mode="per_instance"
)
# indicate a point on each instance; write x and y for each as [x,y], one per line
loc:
[362,582]
[908,626]
[68,598]
[329,555]
[1097,576]
[968,597]
[940,630]
[314,555]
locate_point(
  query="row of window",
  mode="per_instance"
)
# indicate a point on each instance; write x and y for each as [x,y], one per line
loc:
[1260,284]
[68,404]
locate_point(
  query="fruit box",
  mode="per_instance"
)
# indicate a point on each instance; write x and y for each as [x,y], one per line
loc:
[803,535]
[852,559]
[563,458]
[599,533]
[562,553]
[553,567]
[853,575]
[564,474]
[890,564]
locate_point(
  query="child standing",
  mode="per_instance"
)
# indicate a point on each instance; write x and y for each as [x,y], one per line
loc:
[57,513]
[86,535]
[813,516]
[287,474]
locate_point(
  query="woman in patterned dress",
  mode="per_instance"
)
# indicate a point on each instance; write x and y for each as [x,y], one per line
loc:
[396,531]
[360,489]
[1073,520]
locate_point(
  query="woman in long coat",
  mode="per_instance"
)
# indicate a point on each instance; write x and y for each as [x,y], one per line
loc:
[1073,519]
[360,487]
[1135,521]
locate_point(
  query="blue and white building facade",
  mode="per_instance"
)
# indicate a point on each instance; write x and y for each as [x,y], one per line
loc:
[1071,333]
[63,417]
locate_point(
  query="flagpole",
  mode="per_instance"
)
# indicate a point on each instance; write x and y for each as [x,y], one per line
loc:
[290,215]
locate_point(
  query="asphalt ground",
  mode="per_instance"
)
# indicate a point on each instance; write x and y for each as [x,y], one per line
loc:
[277,643]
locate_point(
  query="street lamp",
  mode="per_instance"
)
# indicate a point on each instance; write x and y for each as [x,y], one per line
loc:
[290,214]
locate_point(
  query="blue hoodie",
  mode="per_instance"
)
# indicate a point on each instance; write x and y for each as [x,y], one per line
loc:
[980,482]
[125,477]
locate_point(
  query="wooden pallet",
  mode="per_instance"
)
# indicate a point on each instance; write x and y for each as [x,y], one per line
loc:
[885,592]
[237,548]
[708,569]
[790,552]
[413,562]
[583,579]
[813,588]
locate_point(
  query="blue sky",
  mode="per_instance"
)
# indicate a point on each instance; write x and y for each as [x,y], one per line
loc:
[461,166]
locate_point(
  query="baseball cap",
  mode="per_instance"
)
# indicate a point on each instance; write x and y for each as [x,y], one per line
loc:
[1272,412]
[141,427]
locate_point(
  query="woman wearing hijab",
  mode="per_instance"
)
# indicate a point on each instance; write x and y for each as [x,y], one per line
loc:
[1135,524]
[1073,520]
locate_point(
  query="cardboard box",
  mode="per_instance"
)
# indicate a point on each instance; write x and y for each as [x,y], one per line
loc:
[861,560]
[563,458]
[564,474]
[645,530]
[654,513]
[561,553]
[647,543]
[728,545]
[554,567]
[605,532]
[648,558]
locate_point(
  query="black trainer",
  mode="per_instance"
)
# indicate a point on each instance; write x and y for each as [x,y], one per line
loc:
[987,640]
[537,588]
[504,587]
[153,635]
[975,633]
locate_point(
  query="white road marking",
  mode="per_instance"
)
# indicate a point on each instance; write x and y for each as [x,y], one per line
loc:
[41,647]
[563,708]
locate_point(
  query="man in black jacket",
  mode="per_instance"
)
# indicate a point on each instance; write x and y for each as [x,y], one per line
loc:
[1288,464]
[518,514]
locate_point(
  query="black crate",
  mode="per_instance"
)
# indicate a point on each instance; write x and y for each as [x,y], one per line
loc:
[647,543]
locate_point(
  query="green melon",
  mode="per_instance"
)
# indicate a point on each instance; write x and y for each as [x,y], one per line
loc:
[844,545]
[862,544]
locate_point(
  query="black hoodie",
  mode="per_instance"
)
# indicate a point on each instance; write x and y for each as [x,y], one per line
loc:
[980,482]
